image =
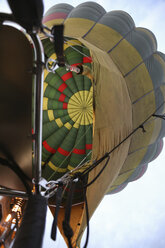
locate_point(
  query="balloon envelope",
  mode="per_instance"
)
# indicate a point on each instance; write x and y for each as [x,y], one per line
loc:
[126,93]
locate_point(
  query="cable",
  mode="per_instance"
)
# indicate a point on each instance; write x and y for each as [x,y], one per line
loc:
[74,42]
[78,50]
[100,172]
[108,153]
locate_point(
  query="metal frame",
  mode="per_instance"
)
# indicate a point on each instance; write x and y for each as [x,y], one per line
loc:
[13,193]
[38,93]
[39,62]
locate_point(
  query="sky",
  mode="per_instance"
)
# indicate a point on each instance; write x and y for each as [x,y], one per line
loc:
[135,217]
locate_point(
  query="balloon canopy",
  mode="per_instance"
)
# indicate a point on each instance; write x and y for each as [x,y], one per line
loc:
[118,109]
[68,97]
[67,112]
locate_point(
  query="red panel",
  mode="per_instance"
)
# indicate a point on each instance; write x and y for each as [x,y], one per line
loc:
[62,87]
[87,59]
[62,97]
[59,15]
[48,147]
[67,76]
[88,146]
[63,152]
[65,105]
[79,151]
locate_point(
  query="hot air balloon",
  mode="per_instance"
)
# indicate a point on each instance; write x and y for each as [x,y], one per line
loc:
[116,112]
[103,113]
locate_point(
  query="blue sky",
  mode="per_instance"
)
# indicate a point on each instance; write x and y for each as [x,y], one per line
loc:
[135,217]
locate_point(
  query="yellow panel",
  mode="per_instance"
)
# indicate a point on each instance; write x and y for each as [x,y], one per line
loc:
[70,167]
[123,177]
[45,73]
[50,115]
[59,122]
[125,56]
[53,56]
[103,37]
[68,125]
[156,131]
[140,138]
[45,86]
[76,125]
[143,109]
[132,161]
[57,169]
[77,27]
[139,82]
[51,23]
[42,36]
[71,43]
[45,103]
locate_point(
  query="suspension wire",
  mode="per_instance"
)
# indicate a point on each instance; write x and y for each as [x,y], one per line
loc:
[49,35]
[74,42]
[79,50]
[80,45]
[80,165]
